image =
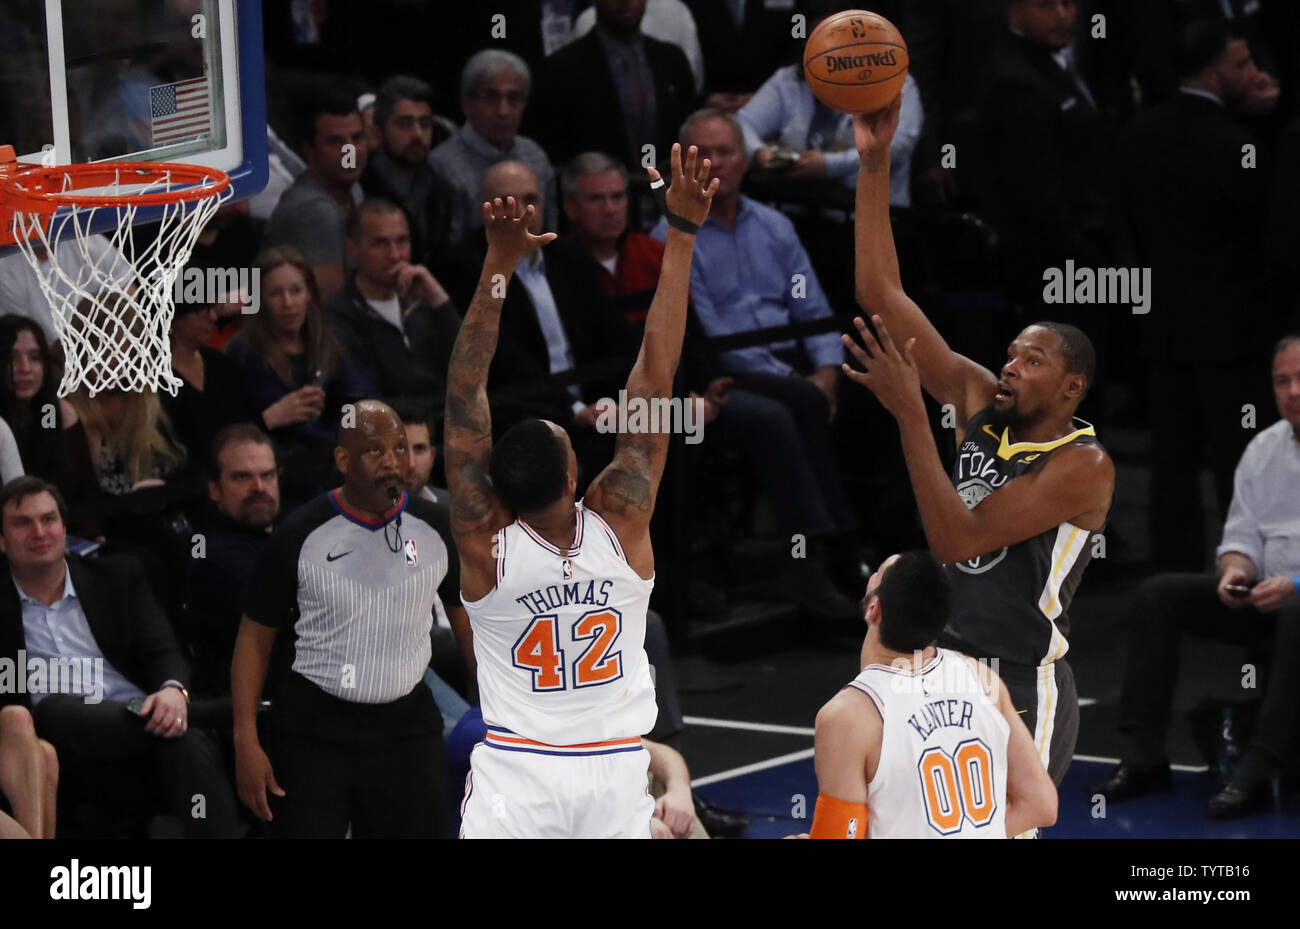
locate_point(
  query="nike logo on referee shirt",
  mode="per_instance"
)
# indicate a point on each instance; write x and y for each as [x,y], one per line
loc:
[337,557]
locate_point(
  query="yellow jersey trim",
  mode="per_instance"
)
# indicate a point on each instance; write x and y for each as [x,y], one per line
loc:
[1007,449]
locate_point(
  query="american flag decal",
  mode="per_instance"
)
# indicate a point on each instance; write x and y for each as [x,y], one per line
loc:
[179,111]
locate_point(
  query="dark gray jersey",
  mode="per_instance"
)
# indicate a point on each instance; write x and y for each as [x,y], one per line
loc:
[357,594]
[1012,604]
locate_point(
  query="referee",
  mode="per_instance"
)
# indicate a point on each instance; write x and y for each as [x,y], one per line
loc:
[354,733]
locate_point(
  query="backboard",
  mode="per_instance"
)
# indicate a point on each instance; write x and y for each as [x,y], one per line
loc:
[151,80]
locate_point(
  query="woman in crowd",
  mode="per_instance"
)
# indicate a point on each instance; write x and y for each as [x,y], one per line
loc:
[212,394]
[294,370]
[48,437]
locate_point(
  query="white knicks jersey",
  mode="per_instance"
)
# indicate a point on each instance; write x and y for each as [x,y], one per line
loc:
[560,644]
[943,753]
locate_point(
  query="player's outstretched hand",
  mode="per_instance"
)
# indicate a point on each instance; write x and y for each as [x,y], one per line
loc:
[691,193]
[506,225]
[873,133]
[890,374]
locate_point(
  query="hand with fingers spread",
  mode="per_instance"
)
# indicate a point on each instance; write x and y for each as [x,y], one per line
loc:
[873,133]
[691,193]
[890,374]
[506,226]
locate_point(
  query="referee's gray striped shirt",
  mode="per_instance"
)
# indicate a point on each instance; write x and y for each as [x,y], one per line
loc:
[361,612]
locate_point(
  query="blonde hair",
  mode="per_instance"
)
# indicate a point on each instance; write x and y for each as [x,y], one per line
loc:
[140,439]
[319,344]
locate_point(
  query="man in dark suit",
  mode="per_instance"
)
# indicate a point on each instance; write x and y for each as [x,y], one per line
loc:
[555,318]
[1045,144]
[614,90]
[1197,216]
[88,638]
[394,320]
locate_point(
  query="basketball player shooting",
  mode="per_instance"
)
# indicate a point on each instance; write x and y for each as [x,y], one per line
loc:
[1031,484]
[557,589]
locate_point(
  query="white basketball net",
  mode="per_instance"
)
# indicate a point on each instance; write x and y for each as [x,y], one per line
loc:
[114,316]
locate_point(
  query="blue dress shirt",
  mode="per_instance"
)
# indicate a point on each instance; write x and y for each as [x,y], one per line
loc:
[743,279]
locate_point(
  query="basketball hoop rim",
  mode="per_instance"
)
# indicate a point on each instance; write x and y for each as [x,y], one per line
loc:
[20,195]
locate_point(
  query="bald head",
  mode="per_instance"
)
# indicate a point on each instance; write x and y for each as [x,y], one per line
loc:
[372,417]
[515,179]
[372,456]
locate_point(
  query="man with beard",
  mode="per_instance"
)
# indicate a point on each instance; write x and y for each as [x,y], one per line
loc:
[244,486]
[355,736]
[1031,484]
[400,170]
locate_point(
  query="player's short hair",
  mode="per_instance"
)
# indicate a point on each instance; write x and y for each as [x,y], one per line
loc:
[1291,338]
[325,100]
[397,88]
[376,206]
[915,599]
[586,164]
[229,435]
[1201,45]
[529,466]
[708,113]
[1076,348]
[487,64]
[29,485]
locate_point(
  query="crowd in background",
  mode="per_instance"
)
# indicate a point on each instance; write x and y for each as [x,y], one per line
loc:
[1033,133]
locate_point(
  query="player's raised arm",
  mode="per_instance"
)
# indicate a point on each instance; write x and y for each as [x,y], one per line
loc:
[945,375]
[624,493]
[476,510]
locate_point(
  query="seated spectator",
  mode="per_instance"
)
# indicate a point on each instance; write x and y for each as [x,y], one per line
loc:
[494,91]
[61,608]
[295,371]
[400,170]
[212,393]
[666,20]
[228,242]
[130,439]
[595,202]
[784,393]
[20,287]
[50,438]
[1253,601]
[1045,151]
[555,318]
[244,488]
[393,319]
[784,115]
[635,90]
[451,675]
[29,778]
[418,423]
[312,214]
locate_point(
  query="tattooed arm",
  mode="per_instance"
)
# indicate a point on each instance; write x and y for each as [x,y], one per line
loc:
[624,493]
[476,510]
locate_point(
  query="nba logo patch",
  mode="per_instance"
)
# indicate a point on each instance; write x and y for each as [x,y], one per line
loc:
[853,829]
[412,558]
[567,566]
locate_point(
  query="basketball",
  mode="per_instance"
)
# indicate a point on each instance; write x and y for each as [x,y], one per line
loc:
[855,61]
